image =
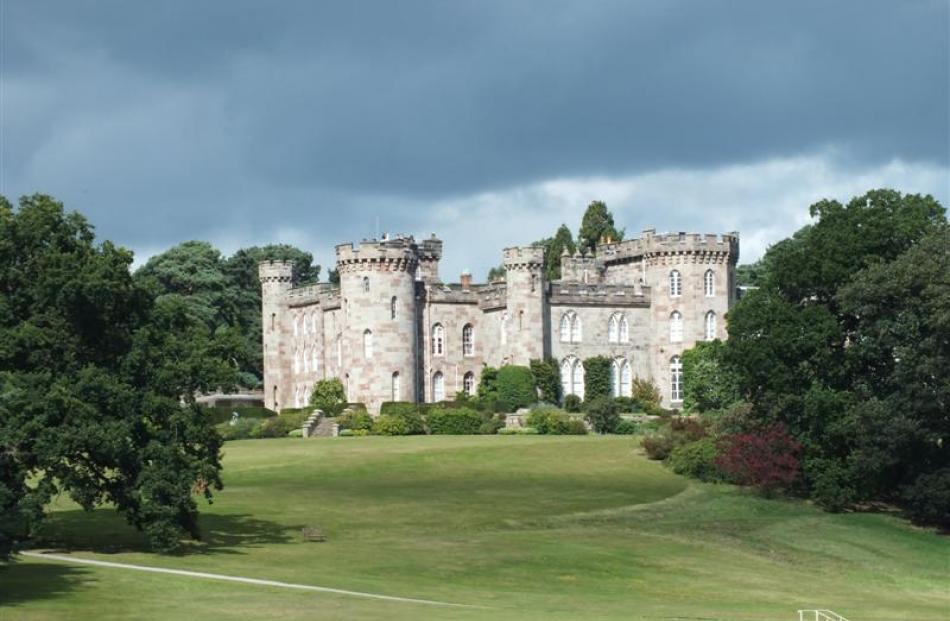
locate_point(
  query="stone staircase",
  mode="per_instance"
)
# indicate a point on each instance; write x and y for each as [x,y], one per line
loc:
[319,426]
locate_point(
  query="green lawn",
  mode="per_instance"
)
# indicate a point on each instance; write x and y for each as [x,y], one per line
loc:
[525,527]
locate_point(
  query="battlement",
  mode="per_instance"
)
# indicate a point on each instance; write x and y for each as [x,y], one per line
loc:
[524,257]
[275,271]
[398,253]
[493,296]
[583,294]
[650,244]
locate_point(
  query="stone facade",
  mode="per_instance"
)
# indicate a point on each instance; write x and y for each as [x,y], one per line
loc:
[393,331]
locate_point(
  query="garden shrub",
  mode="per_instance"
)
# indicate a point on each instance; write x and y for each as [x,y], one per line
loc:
[329,396]
[527,431]
[456,421]
[927,500]
[223,414]
[515,386]
[573,404]
[488,384]
[708,383]
[547,379]
[551,421]
[627,428]
[602,414]
[626,404]
[696,459]
[389,425]
[279,426]
[355,420]
[491,426]
[644,391]
[240,430]
[597,382]
[678,431]
[409,412]
[295,433]
[767,459]
[657,446]
[507,431]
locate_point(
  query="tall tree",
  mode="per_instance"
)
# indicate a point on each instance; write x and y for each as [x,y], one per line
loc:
[597,225]
[97,381]
[553,248]
[819,345]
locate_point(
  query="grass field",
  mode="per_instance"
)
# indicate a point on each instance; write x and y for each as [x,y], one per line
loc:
[526,527]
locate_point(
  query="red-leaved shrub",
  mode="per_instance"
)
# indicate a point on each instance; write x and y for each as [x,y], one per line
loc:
[767,458]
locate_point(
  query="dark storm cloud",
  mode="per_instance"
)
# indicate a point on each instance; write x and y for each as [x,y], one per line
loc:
[165,120]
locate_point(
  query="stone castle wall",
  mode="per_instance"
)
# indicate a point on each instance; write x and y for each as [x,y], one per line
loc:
[390,290]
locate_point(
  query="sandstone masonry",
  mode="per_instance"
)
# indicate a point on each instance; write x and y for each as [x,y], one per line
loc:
[393,331]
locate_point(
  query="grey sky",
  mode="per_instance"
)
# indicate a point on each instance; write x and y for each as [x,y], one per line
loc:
[486,122]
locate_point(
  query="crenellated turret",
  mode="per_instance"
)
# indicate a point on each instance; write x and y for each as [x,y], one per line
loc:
[526,303]
[276,280]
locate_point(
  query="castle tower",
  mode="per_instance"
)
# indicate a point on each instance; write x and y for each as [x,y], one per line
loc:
[526,301]
[693,282]
[276,279]
[378,336]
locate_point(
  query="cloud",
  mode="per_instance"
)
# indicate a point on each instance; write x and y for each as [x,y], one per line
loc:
[240,122]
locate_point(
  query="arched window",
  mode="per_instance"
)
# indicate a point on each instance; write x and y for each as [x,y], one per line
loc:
[306,324]
[676,379]
[576,331]
[273,321]
[367,344]
[297,403]
[566,327]
[676,284]
[392,308]
[296,361]
[396,390]
[572,376]
[438,340]
[314,354]
[438,387]
[468,340]
[620,377]
[710,326]
[617,331]
[365,284]
[709,283]
[676,327]
[313,323]
[520,320]
[296,325]
[306,359]
[468,383]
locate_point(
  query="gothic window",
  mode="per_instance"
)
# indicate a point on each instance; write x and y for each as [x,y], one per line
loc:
[306,359]
[676,284]
[438,340]
[392,308]
[576,332]
[617,331]
[313,362]
[297,397]
[709,283]
[365,284]
[296,325]
[620,377]
[572,376]
[468,340]
[676,327]
[468,383]
[566,328]
[396,391]
[676,379]
[438,387]
[367,344]
[306,325]
[710,326]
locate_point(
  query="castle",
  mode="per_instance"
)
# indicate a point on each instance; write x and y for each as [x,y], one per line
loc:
[393,331]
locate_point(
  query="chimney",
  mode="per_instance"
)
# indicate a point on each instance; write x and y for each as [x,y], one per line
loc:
[466,280]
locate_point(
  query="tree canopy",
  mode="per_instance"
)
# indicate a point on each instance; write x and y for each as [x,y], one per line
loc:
[97,380]
[846,344]
[596,225]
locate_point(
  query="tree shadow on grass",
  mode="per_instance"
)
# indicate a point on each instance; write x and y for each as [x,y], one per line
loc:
[22,582]
[103,531]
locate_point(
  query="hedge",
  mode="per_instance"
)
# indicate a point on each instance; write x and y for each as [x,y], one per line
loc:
[597,377]
[515,386]
[223,414]
[456,421]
